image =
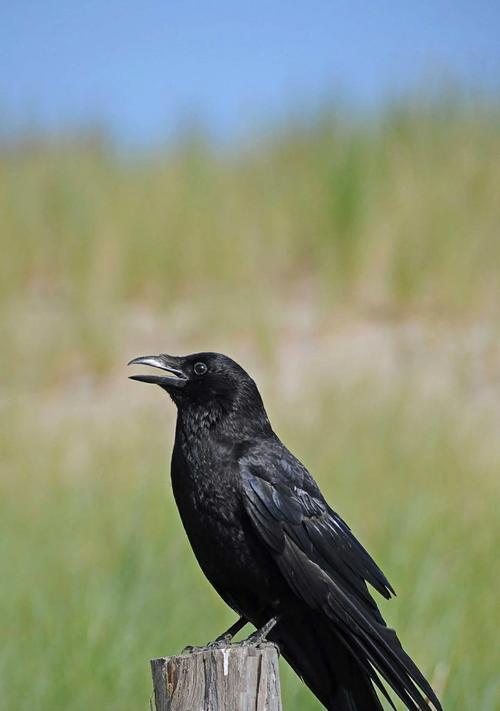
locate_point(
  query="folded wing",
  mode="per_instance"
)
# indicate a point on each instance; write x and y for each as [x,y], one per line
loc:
[328,569]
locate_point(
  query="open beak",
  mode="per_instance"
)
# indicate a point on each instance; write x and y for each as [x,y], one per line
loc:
[172,364]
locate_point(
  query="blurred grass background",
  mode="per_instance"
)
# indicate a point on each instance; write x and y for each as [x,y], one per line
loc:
[362,252]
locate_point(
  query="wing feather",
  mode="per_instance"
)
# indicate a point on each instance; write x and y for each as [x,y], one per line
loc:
[328,569]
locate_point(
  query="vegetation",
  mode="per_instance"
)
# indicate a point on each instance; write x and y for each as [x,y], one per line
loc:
[272,252]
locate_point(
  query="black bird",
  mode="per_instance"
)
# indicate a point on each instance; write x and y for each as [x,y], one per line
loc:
[270,544]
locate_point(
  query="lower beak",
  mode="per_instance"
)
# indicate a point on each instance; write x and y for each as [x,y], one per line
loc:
[171,364]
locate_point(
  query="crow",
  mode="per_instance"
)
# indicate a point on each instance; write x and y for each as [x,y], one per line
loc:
[269,543]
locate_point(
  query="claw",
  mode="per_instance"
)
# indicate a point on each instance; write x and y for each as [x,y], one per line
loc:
[260,635]
[220,642]
[190,649]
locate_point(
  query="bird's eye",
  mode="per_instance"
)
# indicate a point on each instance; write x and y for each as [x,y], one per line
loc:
[200,368]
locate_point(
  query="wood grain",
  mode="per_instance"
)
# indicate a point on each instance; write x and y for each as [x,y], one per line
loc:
[234,678]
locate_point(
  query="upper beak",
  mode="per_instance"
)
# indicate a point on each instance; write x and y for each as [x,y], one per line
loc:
[164,362]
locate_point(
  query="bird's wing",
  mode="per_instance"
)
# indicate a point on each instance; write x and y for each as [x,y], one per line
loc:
[327,568]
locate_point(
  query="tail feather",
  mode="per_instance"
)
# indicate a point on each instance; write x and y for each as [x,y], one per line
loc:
[344,669]
[330,669]
[381,646]
[373,641]
[398,679]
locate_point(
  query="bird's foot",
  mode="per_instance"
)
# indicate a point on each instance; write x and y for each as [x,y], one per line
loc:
[191,649]
[220,642]
[224,640]
[260,635]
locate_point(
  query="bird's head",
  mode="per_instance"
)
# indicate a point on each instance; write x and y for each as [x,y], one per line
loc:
[209,382]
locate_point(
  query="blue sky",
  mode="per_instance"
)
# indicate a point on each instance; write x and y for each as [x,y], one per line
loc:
[144,68]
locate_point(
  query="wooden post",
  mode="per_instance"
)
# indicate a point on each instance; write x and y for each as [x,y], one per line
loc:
[234,678]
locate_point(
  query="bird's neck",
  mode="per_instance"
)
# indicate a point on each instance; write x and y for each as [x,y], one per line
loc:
[198,421]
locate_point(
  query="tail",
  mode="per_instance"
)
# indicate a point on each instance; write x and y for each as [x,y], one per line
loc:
[326,665]
[343,671]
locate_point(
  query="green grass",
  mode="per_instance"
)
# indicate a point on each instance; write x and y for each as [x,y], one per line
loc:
[320,229]
[399,211]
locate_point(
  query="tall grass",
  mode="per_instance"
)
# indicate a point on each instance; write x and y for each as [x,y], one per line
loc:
[399,211]
[387,220]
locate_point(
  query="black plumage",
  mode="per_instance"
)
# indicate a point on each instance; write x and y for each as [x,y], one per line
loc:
[271,545]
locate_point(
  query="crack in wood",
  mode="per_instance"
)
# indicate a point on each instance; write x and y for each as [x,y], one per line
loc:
[234,678]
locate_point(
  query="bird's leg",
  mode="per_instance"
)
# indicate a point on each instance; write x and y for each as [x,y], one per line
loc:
[261,634]
[228,635]
[222,640]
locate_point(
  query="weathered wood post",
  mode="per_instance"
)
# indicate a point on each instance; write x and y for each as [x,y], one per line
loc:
[234,678]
